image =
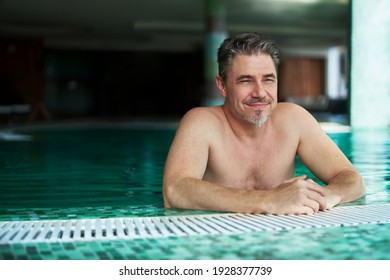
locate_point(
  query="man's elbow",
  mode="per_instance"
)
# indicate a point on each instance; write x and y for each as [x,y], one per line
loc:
[358,183]
[352,178]
[167,205]
[168,196]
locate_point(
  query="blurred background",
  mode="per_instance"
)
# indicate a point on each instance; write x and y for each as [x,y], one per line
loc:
[72,59]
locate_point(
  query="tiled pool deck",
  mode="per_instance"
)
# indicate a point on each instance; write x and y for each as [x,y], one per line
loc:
[369,241]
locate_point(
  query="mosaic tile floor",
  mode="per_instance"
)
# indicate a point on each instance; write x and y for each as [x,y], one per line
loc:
[354,242]
[363,242]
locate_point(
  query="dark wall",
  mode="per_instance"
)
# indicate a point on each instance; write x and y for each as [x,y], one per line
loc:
[122,84]
[21,76]
[60,84]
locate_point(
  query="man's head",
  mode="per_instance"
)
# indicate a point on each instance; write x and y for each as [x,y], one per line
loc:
[247,43]
[248,76]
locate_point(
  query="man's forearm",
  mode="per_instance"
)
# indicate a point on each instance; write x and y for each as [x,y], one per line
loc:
[297,196]
[346,186]
[192,193]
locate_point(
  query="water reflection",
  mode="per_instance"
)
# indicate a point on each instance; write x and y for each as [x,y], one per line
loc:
[371,156]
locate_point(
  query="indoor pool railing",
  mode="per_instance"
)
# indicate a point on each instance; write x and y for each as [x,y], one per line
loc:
[12,232]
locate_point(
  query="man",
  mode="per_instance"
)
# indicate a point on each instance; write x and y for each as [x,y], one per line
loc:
[240,157]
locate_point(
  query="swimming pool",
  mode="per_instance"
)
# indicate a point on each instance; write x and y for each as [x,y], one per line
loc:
[113,170]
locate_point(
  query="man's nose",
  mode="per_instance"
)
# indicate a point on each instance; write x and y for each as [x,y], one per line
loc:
[259,91]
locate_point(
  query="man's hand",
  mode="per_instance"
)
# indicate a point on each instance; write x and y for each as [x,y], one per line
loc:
[299,195]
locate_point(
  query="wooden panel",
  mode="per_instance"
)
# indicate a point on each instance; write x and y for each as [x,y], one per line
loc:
[301,77]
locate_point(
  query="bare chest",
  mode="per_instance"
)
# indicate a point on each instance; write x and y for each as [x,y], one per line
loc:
[260,166]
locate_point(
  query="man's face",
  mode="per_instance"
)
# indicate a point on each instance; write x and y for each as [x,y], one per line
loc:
[251,87]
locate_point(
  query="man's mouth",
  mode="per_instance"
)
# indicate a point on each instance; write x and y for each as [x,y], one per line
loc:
[258,102]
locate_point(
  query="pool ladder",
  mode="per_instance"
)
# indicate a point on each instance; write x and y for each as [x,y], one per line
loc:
[12,232]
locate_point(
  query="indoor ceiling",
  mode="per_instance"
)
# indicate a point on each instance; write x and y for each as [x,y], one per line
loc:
[176,25]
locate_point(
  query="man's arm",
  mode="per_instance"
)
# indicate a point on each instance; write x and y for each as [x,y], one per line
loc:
[185,166]
[327,162]
[184,187]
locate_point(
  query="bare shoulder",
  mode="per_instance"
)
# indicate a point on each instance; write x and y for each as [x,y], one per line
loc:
[295,115]
[199,123]
[201,117]
[201,112]
[196,131]
[295,109]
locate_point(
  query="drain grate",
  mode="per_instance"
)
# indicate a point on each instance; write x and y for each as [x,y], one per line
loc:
[156,227]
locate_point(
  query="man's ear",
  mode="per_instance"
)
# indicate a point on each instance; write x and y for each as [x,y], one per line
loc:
[221,86]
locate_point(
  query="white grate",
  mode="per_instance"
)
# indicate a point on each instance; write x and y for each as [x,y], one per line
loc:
[156,227]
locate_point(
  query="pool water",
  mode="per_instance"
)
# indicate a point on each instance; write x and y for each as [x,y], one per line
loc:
[93,172]
[115,170]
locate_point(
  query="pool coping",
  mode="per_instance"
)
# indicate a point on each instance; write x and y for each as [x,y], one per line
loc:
[37,231]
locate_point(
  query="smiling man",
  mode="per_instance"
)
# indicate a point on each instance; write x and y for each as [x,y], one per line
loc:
[240,157]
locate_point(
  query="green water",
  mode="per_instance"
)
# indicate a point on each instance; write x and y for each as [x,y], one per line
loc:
[90,172]
[83,168]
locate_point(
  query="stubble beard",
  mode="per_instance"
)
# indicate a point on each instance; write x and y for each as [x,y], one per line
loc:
[258,120]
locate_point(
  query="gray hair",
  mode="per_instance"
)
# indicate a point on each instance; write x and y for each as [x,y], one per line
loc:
[247,43]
